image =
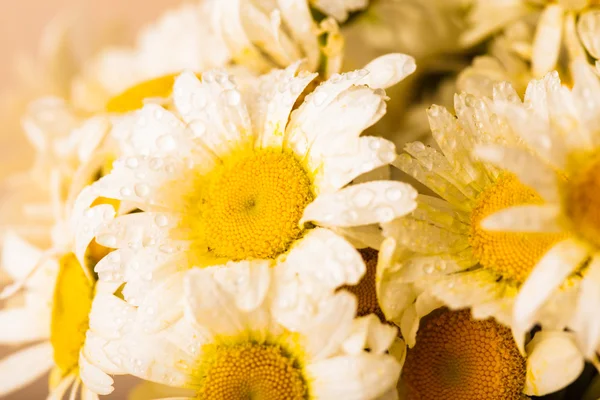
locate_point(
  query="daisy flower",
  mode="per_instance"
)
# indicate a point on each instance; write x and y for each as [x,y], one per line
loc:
[441,252]
[562,125]
[233,344]
[555,28]
[233,176]
[456,356]
[247,36]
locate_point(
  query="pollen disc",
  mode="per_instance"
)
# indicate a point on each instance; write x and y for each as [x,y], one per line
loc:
[457,357]
[250,371]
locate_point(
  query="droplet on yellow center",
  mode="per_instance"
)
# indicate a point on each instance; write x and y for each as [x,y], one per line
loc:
[250,371]
[250,207]
[457,357]
[71,306]
[133,98]
[509,254]
[365,290]
[583,201]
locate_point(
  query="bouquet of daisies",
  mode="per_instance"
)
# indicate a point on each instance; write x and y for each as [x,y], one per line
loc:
[310,200]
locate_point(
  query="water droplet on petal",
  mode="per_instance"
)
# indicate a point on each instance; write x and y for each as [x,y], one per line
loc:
[319,97]
[107,240]
[125,191]
[161,220]
[385,214]
[142,190]
[363,198]
[393,194]
[166,142]
[233,97]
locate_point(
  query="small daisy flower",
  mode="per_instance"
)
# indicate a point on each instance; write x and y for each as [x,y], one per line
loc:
[441,252]
[232,343]
[456,356]
[51,315]
[233,176]
[240,35]
[562,125]
[569,24]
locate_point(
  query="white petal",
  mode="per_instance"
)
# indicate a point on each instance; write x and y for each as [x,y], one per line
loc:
[551,271]
[87,394]
[546,44]
[298,19]
[530,169]
[110,316]
[25,366]
[214,304]
[93,378]
[353,378]
[215,110]
[424,304]
[339,124]
[588,25]
[387,70]
[86,227]
[93,351]
[163,305]
[553,362]
[20,325]
[528,218]
[393,295]
[18,256]
[322,105]
[369,333]
[339,9]
[277,94]
[59,391]
[362,204]
[329,327]
[587,323]
[227,19]
[154,131]
[357,158]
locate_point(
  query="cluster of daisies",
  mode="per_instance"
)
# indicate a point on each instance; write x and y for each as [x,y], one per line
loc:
[235,206]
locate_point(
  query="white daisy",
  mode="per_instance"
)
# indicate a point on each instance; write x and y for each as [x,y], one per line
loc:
[231,175]
[247,36]
[456,356]
[441,254]
[51,315]
[233,343]
[554,23]
[562,126]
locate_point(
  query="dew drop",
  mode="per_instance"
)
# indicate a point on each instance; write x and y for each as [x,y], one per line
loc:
[142,190]
[166,142]
[107,240]
[385,214]
[125,191]
[156,163]
[161,220]
[393,194]
[319,97]
[363,198]
[233,97]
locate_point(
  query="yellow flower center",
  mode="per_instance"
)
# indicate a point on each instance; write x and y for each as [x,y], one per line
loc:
[71,306]
[583,201]
[510,254]
[249,371]
[457,357]
[133,98]
[250,206]
[365,290]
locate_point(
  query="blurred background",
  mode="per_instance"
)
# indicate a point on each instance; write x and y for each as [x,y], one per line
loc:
[23,23]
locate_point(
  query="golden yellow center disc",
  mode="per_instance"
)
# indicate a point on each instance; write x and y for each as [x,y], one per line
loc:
[250,371]
[71,306]
[250,207]
[510,254]
[365,290]
[459,358]
[583,202]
